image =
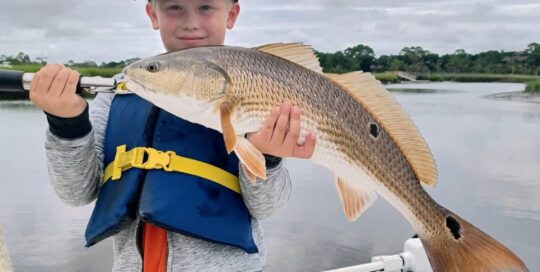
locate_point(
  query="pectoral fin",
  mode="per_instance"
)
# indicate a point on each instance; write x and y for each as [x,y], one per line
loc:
[251,177]
[229,135]
[355,198]
[251,158]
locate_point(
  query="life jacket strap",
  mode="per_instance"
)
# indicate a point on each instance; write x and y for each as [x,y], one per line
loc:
[151,159]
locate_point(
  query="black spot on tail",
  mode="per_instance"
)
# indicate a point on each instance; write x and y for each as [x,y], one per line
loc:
[374,130]
[454,226]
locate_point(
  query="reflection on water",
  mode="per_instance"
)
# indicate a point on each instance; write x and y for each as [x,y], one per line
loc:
[5,105]
[421,91]
[487,153]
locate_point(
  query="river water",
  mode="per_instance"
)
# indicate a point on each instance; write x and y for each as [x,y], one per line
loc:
[487,153]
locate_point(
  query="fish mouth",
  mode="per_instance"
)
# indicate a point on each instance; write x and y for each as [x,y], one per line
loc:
[136,87]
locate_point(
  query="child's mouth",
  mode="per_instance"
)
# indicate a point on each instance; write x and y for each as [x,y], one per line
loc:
[191,38]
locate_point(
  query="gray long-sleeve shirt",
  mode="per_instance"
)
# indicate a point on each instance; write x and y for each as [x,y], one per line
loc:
[76,167]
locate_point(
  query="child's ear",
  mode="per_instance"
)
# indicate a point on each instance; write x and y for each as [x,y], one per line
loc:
[233,14]
[152,15]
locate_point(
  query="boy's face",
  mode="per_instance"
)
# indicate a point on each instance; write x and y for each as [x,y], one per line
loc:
[191,23]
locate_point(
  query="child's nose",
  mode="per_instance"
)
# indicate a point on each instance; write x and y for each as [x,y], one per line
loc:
[191,22]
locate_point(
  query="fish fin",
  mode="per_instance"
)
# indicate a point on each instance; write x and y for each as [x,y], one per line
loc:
[391,117]
[296,52]
[252,159]
[459,246]
[251,177]
[229,134]
[355,199]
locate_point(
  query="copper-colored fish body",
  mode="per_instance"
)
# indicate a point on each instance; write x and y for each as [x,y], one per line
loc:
[363,134]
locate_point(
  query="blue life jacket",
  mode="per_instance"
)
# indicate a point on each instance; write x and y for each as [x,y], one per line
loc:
[179,202]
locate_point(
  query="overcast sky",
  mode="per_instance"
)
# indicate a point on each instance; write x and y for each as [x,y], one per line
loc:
[104,30]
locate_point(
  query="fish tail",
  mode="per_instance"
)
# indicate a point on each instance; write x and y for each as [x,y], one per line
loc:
[463,247]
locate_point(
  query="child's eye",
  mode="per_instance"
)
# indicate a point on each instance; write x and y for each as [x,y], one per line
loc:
[205,7]
[174,8]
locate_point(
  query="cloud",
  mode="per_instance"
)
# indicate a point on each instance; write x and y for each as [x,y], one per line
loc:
[113,30]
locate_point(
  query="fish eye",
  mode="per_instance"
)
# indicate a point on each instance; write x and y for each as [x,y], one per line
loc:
[153,67]
[374,130]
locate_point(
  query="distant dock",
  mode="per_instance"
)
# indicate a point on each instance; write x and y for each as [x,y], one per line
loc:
[406,76]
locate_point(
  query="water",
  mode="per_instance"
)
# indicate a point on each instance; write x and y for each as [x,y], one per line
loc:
[487,153]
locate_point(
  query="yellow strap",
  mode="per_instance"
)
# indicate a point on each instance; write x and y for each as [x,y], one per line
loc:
[167,161]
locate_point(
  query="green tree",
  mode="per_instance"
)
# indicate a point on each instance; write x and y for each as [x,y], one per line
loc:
[458,62]
[488,62]
[533,57]
[20,59]
[382,64]
[363,56]
[336,62]
[397,65]
[417,59]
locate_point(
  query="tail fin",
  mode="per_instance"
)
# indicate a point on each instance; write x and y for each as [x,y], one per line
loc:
[463,247]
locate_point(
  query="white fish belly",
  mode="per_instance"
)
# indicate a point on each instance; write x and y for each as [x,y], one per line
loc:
[326,155]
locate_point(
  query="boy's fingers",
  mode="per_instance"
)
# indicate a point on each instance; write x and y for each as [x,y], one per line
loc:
[294,130]
[34,83]
[47,75]
[282,124]
[71,85]
[270,123]
[59,83]
[305,151]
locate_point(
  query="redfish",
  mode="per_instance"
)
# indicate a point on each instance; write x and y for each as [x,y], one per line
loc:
[363,135]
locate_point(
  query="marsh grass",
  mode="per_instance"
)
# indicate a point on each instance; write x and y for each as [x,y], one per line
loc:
[533,87]
[387,77]
[473,77]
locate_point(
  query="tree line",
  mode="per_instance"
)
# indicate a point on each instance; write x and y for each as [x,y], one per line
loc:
[418,60]
[362,57]
[24,59]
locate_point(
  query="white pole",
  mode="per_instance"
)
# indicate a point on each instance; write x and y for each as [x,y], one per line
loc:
[5,260]
[369,267]
[392,263]
[413,258]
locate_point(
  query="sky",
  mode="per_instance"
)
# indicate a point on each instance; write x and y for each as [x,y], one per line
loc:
[101,30]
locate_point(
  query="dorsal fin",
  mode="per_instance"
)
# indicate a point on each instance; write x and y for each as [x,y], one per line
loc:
[296,52]
[372,95]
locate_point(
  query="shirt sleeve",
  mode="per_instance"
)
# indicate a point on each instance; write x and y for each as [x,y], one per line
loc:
[75,161]
[70,128]
[264,198]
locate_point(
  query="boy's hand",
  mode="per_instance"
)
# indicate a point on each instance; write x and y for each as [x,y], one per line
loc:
[279,134]
[53,90]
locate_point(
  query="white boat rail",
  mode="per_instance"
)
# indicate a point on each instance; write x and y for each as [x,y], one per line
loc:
[413,259]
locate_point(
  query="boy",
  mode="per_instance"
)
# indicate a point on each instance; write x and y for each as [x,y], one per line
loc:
[80,147]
